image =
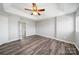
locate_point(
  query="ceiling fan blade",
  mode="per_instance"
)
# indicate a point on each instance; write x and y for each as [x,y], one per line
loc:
[31,13]
[28,9]
[39,14]
[41,9]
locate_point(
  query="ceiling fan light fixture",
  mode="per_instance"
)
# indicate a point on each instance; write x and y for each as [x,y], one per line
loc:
[35,13]
[35,10]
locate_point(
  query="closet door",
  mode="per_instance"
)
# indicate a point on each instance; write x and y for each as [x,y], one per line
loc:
[65,28]
[3,29]
[22,30]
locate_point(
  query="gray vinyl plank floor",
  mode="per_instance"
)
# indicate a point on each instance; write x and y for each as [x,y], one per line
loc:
[38,45]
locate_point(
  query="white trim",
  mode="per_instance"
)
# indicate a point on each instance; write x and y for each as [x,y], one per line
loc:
[76,46]
[64,41]
[31,34]
[10,41]
[57,39]
[13,40]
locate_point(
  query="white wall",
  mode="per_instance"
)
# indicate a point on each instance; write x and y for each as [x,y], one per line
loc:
[46,27]
[62,27]
[9,30]
[1,7]
[3,29]
[13,27]
[77,32]
[65,28]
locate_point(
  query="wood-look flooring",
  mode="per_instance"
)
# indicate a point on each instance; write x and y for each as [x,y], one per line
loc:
[38,45]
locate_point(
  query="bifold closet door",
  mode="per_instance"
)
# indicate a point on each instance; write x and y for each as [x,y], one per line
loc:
[3,29]
[65,28]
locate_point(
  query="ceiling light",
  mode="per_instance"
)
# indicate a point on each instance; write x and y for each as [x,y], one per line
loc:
[35,13]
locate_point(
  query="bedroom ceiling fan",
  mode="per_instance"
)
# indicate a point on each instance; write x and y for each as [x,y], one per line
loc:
[35,10]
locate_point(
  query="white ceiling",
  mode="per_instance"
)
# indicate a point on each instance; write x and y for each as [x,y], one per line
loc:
[51,9]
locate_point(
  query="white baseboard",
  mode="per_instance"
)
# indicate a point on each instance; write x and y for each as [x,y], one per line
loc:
[10,41]
[57,39]
[31,35]
[76,46]
[13,40]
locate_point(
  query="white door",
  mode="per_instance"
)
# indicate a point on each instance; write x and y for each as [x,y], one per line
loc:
[3,29]
[22,30]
